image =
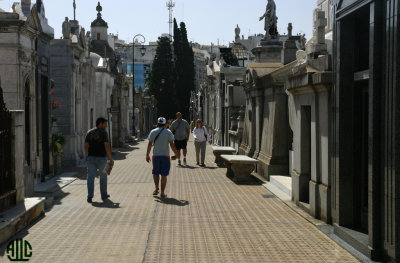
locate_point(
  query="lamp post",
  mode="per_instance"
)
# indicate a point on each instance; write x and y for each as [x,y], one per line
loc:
[142,52]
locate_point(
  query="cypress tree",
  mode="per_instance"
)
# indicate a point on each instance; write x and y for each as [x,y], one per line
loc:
[163,69]
[178,60]
[177,41]
[184,68]
[188,71]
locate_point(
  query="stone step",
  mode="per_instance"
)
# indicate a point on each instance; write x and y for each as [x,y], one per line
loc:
[20,216]
[284,183]
[277,191]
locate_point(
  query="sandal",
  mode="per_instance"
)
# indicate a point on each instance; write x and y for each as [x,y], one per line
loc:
[155,192]
[163,196]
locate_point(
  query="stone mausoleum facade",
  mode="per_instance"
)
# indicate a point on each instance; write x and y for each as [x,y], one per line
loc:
[323,117]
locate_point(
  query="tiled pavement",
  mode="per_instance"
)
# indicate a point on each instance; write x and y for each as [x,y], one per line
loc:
[207,218]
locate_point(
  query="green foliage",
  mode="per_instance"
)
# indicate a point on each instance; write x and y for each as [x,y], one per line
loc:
[162,78]
[57,141]
[177,69]
[185,72]
[126,84]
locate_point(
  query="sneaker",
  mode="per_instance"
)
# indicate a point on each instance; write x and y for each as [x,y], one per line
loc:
[90,200]
[104,198]
[184,161]
[179,162]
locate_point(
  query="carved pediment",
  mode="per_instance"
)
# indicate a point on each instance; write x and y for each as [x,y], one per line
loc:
[342,4]
[33,20]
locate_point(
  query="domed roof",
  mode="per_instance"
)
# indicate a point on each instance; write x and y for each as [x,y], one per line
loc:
[99,22]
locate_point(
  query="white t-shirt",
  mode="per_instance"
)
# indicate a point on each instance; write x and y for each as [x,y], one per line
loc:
[161,146]
[199,134]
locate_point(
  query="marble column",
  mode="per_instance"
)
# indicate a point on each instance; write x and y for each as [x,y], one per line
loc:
[259,120]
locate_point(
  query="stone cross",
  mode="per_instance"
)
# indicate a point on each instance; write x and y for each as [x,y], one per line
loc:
[290,29]
[320,22]
[318,46]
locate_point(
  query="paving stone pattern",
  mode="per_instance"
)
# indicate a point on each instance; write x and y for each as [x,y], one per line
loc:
[206,218]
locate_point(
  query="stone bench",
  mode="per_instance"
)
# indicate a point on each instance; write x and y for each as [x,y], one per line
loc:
[239,167]
[218,151]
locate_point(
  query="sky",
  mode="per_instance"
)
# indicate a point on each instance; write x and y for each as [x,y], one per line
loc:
[207,21]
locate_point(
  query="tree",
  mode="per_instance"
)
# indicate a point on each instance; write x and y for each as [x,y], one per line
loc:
[184,67]
[176,68]
[162,79]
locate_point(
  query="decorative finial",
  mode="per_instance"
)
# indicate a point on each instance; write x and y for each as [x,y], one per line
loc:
[99,9]
[74,5]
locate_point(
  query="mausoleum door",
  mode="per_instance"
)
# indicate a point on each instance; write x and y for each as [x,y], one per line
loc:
[361,112]
[353,101]
[27,107]
[305,169]
[45,125]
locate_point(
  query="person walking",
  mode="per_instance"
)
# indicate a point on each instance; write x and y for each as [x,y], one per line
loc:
[181,130]
[161,138]
[201,137]
[97,149]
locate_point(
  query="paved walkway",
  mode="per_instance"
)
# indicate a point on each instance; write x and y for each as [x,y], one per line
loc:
[207,218]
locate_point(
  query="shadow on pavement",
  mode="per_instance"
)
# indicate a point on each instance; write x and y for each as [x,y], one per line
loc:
[123,152]
[249,182]
[19,235]
[189,167]
[106,204]
[171,201]
[196,167]
[210,167]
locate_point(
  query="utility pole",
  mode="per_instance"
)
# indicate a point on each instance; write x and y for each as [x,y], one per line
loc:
[170,6]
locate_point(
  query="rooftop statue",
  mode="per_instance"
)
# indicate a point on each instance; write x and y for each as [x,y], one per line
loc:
[271,21]
[66,29]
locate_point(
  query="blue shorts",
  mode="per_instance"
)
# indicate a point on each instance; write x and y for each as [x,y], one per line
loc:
[161,165]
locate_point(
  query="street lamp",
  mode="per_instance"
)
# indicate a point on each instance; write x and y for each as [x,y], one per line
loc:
[142,52]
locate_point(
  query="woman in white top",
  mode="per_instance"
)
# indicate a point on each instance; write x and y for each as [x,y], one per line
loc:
[201,137]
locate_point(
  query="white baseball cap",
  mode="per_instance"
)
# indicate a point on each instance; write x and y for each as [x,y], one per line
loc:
[161,120]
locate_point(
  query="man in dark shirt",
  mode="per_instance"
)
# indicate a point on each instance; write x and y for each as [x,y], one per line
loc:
[97,150]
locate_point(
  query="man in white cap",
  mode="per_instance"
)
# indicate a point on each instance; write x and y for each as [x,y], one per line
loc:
[161,138]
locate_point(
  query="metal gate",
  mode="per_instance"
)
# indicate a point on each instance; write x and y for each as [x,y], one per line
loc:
[7,183]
